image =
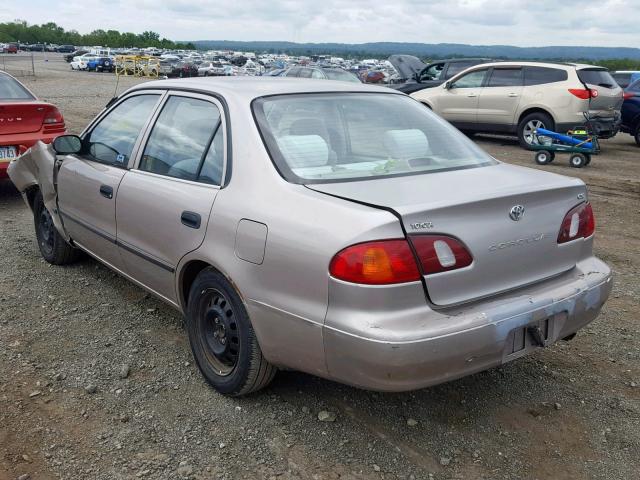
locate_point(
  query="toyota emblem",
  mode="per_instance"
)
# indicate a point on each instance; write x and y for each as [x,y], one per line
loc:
[516,212]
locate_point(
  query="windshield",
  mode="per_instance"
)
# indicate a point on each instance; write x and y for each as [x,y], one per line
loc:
[341,75]
[601,78]
[11,89]
[319,138]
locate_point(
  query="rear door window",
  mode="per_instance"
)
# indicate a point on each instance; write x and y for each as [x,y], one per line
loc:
[542,75]
[597,77]
[457,67]
[186,141]
[505,77]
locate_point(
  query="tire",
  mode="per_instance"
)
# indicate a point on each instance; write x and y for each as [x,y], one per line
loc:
[217,322]
[636,135]
[544,157]
[578,160]
[528,123]
[53,247]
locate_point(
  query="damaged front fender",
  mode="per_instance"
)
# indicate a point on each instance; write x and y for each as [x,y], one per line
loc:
[37,168]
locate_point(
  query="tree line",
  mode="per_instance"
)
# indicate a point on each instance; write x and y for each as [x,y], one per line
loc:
[21,31]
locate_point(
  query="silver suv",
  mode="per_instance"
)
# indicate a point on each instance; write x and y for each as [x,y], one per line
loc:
[518,97]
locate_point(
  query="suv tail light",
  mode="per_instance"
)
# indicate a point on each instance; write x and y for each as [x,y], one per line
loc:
[439,253]
[584,93]
[579,222]
[628,95]
[376,263]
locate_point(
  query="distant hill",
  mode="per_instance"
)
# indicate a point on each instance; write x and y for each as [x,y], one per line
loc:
[425,50]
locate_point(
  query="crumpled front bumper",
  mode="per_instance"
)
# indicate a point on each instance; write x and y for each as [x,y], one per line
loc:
[449,344]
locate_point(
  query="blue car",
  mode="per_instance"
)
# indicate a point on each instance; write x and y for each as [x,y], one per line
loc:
[631,111]
[101,64]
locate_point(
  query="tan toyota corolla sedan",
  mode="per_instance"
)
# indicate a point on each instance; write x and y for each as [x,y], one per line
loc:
[338,229]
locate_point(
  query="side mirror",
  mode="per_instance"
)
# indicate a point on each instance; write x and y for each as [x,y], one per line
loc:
[67,144]
[448,85]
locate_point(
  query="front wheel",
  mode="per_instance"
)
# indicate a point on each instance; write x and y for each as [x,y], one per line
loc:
[222,338]
[528,126]
[53,247]
[544,157]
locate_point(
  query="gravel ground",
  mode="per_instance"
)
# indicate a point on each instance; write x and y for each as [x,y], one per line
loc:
[97,380]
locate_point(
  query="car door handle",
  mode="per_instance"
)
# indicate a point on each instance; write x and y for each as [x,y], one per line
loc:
[106,191]
[472,95]
[190,219]
[513,94]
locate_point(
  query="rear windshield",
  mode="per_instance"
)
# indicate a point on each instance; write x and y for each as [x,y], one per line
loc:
[601,78]
[11,89]
[341,75]
[321,138]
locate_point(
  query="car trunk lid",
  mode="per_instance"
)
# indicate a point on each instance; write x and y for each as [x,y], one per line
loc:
[473,205]
[21,116]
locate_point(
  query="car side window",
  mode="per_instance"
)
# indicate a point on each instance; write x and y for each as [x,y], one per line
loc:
[473,79]
[433,72]
[317,74]
[112,140]
[304,73]
[293,72]
[186,141]
[542,75]
[505,77]
[456,67]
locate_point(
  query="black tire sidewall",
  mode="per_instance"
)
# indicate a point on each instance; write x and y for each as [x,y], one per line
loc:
[583,161]
[548,155]
[232,383]
[57,256]
[636,135]
[543,117]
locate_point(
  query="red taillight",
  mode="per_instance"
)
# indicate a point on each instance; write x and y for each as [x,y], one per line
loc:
[53,116]
[584,93]
[439,253]
[376,263]
[628,95]
[579,222]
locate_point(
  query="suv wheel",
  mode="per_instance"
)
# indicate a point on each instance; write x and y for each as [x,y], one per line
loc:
[636,135]
[222,338]
[528,125]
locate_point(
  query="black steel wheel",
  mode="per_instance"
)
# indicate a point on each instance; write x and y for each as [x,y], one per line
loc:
[53,247]
[222,338]
[544,157]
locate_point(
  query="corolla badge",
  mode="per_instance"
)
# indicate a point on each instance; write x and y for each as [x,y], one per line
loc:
[516,212]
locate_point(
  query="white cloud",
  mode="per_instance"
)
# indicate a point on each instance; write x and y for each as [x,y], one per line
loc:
[484,22]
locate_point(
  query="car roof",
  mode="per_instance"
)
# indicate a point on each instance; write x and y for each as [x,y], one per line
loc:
[249,88]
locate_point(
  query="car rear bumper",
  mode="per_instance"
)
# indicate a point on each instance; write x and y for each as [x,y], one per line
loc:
[23,142]
[445,345]
[604,127]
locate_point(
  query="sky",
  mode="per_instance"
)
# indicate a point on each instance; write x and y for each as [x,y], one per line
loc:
[609,23]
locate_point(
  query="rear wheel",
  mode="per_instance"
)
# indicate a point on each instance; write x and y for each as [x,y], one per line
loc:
[52,245]
[222,338]
[578,160]
[636,135]
[528,126]
[543,157]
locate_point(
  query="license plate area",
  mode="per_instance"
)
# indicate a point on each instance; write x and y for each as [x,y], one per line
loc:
[522,340]
[8,153]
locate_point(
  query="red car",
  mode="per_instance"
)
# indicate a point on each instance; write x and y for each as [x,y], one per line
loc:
[11,48]
[24,120]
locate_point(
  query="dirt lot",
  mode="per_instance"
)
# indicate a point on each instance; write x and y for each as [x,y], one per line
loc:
[68,410]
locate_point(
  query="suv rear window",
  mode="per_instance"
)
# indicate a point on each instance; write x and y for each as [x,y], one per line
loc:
[601,78]
[542,75]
